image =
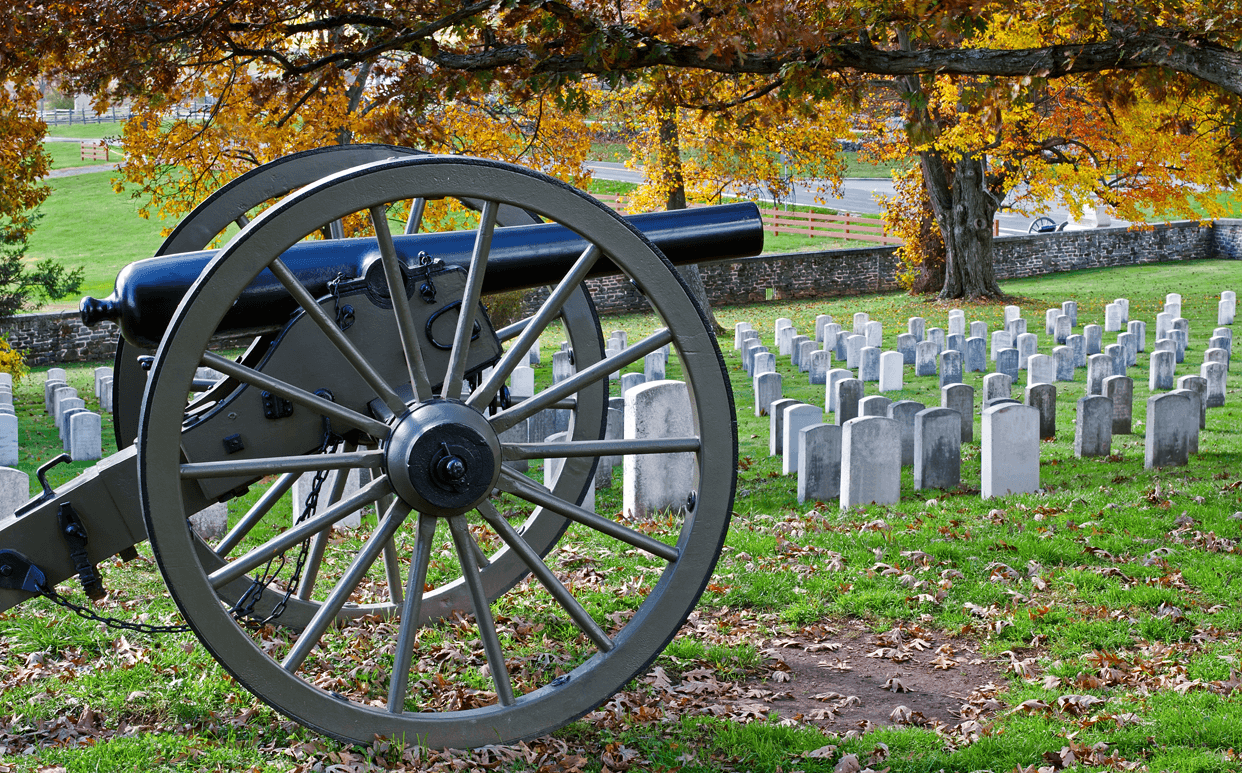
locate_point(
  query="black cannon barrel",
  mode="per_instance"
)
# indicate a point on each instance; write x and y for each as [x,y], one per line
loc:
[148,291]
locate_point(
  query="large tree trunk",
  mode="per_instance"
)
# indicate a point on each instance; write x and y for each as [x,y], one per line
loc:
[668,168]
[964,210]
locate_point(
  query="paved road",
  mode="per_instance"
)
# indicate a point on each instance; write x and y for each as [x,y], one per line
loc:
[858,194]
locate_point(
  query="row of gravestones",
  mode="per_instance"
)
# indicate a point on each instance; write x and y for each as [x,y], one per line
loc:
[859,459]
[1106,408]
[967,354]
[872,365]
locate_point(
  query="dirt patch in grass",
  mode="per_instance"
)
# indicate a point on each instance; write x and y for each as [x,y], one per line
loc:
[854,679]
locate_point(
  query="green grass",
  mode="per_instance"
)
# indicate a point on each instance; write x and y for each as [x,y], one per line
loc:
[85,224]
[86,131]
[1096,555]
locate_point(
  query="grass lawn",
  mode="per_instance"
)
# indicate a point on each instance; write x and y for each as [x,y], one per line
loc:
[86,224]
[1096,621]
[86,131]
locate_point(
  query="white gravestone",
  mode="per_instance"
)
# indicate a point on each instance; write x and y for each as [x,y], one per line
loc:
[655,482]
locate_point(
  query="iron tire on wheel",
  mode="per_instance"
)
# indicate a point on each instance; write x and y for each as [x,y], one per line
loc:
[594,675]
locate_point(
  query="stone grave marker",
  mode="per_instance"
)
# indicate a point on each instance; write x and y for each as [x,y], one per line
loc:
[957,324]
[1093,429]
[1070,309]
[978,329]
[903,412]
[57,374]
[937,449]
[870,462]
[1078,345]
[795,348]
[916,326]
[1164,323]
[875,334]
[1010,450]
[1063,362]
[891,371]
[1118,354]
[974,358]
[1214,375]
[996,386]
[961,398]
[1094,335]
[85,437]
[1041,369]
[1050,321]
[1169,419]
[956,342]
[860,321]
[853,350]
[950,367]
[765,362]
[820,321]
[830,395]
[1197,385]
[937,336]
[1179,341]
[630,381]
[738,330]
[14,490]
[1061,329]
[832,332]
[100,373]
[819,364]
[1043,397]
[653,367]
[66,403]
[905,347]
[805,349]
[873,405]
[1000,340]
[1130,343]
[1028,344]
[1099,367]
[1138,329]
[797,417]
[1120,390]
[1124,305]
[1192,432]
[819,463]
[1160,376]
[869,364]
[1012,312]
[849,392]
[655,482]
[767,391]
[1112,318]
[1015,328]
[8,445]
[925,354]
[1007,363]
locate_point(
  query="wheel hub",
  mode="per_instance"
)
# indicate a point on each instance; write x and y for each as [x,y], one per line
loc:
[443,458]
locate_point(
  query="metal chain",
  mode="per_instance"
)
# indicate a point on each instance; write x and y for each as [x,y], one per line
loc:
[111,622]
[243,610]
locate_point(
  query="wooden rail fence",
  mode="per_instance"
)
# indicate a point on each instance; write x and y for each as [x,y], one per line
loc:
[867,229]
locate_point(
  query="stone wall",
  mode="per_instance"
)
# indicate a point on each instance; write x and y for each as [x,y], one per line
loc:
[61,336]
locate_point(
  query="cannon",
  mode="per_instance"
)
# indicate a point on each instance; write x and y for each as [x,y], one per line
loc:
[377,355]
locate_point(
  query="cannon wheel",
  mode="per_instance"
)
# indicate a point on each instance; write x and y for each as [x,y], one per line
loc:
[273,180]
[305,676]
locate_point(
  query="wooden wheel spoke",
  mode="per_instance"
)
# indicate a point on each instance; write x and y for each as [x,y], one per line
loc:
[577,382]
[280,464]
[328,610]
[337,336]
[256,513]
[406,329]
[470,302]
[294,394]
[415,220]
[525,488]
[411,610]
[530,557]
[282,542]
[550,309]
[482,611]
[577,448]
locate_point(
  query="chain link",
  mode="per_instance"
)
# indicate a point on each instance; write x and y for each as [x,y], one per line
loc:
[111,622]
[243,610]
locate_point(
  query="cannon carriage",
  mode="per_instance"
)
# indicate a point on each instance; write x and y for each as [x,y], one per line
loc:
[345,374]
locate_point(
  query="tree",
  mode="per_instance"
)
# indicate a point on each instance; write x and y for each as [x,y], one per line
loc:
[429,51]
[699,137]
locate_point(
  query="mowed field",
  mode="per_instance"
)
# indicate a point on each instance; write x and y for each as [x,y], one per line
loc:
[1095,625]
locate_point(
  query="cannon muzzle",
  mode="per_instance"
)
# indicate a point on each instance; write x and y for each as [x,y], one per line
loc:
[148,291]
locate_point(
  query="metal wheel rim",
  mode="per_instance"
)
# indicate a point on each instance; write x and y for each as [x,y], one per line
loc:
[276,179]
[663,610]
